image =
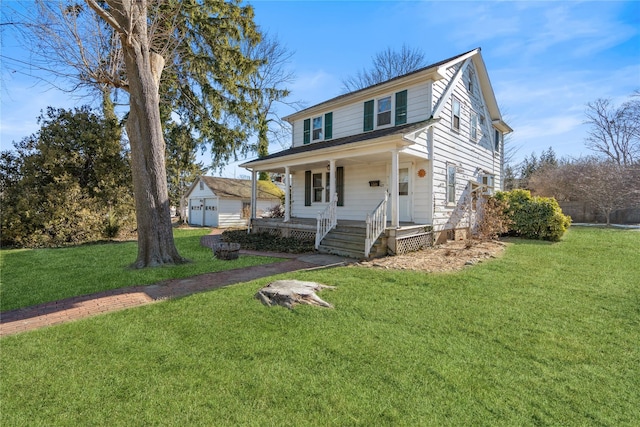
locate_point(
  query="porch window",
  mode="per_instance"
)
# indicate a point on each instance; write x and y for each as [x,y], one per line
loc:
[317,187]
[307,132]
[317,128]
[401,108]
[455,120]
[474,125]
[384,111]
[451,184]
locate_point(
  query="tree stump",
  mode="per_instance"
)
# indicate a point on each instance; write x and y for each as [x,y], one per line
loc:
[288,293]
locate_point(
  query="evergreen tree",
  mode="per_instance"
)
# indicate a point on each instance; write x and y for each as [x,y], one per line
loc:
[68,183]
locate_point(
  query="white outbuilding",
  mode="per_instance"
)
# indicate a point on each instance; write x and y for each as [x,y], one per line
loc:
[226,202]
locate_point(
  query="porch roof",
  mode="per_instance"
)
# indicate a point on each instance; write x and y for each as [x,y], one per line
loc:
[404,130]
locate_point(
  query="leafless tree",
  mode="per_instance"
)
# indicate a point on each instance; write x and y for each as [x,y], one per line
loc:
[269,89]
[604,184]
[386,65]
[615,132]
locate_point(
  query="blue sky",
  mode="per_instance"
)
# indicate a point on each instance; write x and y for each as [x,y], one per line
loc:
[546,59]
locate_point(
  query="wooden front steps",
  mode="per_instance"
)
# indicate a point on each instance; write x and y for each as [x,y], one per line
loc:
[348,241]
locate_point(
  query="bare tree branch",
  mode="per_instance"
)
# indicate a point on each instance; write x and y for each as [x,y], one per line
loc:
[615,132]
[386,65]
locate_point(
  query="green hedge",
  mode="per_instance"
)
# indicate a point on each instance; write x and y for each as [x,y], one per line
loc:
[534,217]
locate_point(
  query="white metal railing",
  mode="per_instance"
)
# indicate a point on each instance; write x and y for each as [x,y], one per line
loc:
[326,220]
[376,223]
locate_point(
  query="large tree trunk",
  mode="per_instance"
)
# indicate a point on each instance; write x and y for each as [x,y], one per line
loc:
[155,234]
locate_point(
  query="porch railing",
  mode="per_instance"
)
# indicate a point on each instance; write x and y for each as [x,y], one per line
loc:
[326,220]
[376,223]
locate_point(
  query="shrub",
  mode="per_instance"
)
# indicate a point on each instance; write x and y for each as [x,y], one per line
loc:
[267,242]
[534,217]
[493,220]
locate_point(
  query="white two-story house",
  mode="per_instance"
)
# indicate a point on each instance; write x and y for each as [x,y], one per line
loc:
[399,160]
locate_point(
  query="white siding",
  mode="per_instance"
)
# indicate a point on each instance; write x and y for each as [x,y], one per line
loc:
[472,158]
[422,205]
[230,211]
[349,120]
[359,197]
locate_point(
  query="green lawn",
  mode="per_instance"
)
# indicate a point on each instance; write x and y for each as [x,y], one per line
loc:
[32,277]
[548,334]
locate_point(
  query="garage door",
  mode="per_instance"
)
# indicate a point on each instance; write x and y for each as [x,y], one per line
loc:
[210,212]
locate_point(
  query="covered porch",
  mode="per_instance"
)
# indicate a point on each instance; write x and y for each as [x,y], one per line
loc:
[350,236]
[378,182]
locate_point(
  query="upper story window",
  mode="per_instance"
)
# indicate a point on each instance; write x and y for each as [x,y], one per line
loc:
[455,114]
[322,128]
[201,185]
[378,113]
[471,80]
[317,128]
[497,140]
[384,111]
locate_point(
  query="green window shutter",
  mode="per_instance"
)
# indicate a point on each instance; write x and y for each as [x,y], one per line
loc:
[401,107]
[368,116]
[307,188]
[307,132]
[328,126]
[340,185]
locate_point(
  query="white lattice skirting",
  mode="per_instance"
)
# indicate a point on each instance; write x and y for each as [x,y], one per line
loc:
[413,243]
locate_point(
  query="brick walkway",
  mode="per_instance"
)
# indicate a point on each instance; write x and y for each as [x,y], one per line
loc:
[69,309]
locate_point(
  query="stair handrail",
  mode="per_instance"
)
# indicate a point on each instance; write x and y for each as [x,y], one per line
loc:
[376,223]
[327,220]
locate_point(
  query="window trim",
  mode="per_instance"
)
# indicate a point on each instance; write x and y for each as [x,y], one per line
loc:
[386,112]
[455,101]
[315,190]
[471,83]
[398,114]
[320,129]
[486,179]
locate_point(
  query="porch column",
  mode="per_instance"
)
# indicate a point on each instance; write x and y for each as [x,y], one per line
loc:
[332,180]
[393,190]
[287,194]
[254,192]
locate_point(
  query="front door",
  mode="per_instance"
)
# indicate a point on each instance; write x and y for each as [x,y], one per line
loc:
[404,189]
